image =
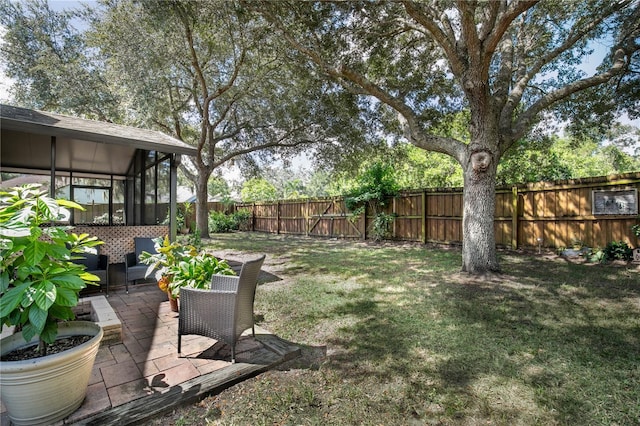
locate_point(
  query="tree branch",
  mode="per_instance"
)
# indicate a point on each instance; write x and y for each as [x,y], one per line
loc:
[491,15]
[446,41]
[495,34]
[575,35]
[526,118]
[279,143]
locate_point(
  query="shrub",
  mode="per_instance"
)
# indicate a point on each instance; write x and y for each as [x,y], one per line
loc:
[618,250]
[220,222]
[375,187]
[381,226]
[242,218]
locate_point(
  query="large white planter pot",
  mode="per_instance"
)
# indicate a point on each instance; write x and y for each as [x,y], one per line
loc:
[44,390]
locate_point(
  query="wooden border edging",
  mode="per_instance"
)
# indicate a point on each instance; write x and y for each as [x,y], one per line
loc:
[275,352]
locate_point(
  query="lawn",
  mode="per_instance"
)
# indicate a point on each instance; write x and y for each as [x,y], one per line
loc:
[395,334]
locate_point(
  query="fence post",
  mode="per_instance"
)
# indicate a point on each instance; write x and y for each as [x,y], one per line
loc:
[253,218]
[394,206]
[424,217]
[514,218]
[306,218]
[364,222]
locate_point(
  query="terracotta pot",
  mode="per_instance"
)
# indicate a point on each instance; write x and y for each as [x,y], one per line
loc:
[173,302]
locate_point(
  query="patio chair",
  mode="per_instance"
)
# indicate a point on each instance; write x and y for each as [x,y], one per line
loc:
[225,311]
[96,264]
[134,270]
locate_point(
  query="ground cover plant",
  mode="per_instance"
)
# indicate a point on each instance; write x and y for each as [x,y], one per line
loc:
[394,334]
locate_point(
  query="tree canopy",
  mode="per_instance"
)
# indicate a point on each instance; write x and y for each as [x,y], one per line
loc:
[508,63]
[209,73]
[467,79]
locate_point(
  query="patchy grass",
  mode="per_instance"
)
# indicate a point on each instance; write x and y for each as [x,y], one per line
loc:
[394,334]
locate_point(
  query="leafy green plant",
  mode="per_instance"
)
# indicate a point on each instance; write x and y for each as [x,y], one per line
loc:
[220,222]
[182,217]
[196,272]
[381,226]
[618,250]
[375,187]
[242,218]
[39,283]
[176,265]
[596,256]
[168,255]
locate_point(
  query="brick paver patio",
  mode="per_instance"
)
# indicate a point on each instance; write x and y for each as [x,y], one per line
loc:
[146,363]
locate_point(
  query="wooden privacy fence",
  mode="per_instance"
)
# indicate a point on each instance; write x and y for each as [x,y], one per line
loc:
[592,211]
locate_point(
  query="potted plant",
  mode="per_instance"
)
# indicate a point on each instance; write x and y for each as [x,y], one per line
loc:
[176,265]
[39,287]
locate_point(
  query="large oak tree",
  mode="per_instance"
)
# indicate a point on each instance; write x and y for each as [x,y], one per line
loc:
[508,63]
[208,73]
[215,76]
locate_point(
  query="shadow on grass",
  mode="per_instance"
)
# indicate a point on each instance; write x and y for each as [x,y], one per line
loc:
[557,339]
[574,352]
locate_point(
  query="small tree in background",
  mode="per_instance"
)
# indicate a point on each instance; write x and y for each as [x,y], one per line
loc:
[375,187]
[258,189]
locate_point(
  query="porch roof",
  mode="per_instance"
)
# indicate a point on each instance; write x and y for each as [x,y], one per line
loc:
[85,146]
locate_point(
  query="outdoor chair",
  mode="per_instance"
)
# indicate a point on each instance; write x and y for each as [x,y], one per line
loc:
[96,264]
[225,311]
[134,270]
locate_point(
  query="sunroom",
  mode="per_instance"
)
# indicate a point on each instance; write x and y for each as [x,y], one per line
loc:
[124,177]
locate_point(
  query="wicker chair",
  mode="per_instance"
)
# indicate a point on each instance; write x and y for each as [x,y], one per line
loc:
[134,270]
[225,311]
[96,264]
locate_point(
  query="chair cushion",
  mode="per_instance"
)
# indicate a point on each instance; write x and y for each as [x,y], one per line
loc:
[138,272]
[144,244]
[91,261]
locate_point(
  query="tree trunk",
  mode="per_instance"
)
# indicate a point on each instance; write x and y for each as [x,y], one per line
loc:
[478,235]
[202,207]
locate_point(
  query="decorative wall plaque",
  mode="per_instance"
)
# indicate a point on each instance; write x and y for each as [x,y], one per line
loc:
[618,202]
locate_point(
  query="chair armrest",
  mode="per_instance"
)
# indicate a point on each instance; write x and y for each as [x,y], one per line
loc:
[103,261]
[224,283]
[131,259]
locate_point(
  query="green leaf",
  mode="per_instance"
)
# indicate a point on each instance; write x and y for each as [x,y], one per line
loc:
[64,313]
[38,318]
[45,294]
[4,282]
[50,332]
[90,278]
[48,208]
[28,331]
[57,251]
[66,297]
[35,252]
[69,281]
[27,297]
[69,204]
[11,299]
